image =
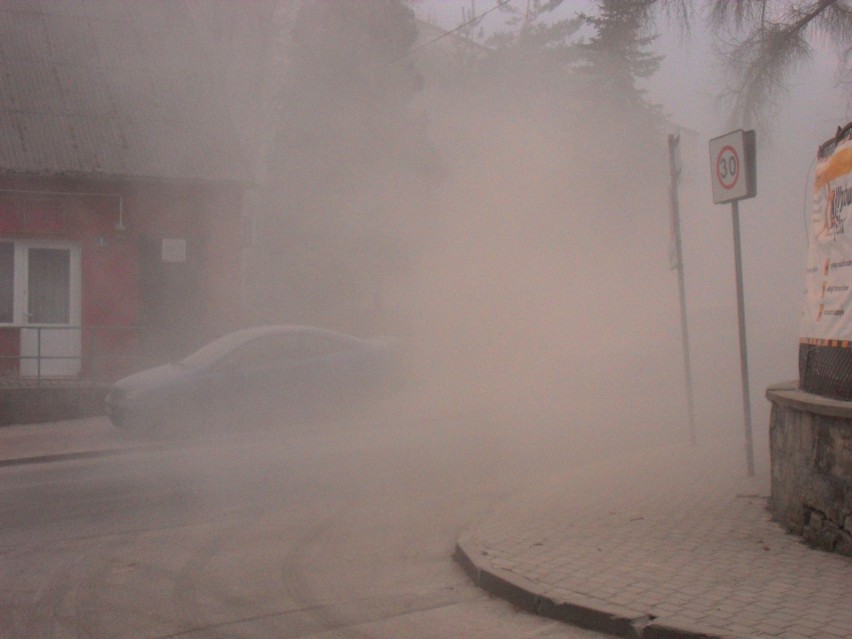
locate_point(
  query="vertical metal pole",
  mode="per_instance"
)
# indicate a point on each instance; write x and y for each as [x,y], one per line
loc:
[735,212]
[38,356]
[684,331]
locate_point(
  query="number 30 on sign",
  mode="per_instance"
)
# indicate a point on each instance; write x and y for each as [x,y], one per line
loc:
[732,166]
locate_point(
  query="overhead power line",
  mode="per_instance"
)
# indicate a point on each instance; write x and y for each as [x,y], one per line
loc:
[460,27]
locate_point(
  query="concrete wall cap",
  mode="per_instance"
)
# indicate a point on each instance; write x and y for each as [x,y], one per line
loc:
[789,395]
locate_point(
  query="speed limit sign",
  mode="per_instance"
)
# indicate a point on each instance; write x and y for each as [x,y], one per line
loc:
[734,176]
[732,166]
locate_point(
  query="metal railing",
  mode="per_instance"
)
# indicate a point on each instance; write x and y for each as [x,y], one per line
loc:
[103,354]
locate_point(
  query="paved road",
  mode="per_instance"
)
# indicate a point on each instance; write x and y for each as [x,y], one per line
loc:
[340,531]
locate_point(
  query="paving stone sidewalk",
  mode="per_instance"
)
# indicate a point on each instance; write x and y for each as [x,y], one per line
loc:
[675,542]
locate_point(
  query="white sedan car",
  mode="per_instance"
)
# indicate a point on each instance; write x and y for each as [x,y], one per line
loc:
[269,373]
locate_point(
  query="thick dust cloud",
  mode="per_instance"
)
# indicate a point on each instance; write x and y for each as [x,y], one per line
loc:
[507,225]
[545,292]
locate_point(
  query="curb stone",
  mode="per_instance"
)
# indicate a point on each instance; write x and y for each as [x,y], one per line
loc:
[672,628]
[573,608]
[70,456]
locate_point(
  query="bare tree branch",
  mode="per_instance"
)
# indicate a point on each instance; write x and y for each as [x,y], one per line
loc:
[736,14]
[776,41]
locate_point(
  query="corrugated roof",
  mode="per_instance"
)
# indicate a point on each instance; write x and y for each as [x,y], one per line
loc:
[116,88]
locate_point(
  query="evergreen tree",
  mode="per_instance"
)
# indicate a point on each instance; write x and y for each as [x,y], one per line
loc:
[615,58]
[536,46]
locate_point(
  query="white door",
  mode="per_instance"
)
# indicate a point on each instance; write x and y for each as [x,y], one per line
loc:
[49,283]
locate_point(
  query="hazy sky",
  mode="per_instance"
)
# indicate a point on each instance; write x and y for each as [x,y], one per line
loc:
[689,78]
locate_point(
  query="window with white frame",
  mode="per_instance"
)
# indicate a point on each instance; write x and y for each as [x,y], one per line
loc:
[39,282]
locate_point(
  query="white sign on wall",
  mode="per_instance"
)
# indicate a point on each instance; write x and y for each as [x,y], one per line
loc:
[732,166]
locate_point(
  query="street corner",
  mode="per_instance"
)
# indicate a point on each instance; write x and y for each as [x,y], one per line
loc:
[493,572]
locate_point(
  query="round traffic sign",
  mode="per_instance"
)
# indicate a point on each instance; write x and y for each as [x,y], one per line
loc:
[732,166]
[727,167]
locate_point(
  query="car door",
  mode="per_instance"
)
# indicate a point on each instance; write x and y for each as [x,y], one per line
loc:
[338,366]
[302,372]
[267,375]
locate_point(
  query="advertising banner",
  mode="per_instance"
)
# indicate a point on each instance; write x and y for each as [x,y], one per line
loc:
[825,351]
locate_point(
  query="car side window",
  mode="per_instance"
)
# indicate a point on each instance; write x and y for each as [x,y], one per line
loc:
[268,351]
[245,356]
[321,345]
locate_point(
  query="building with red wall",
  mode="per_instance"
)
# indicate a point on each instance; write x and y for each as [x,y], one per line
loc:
[122,175]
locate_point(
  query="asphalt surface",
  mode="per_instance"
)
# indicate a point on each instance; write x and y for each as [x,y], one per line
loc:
[669,542]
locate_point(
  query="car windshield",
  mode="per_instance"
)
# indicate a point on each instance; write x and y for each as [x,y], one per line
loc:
[214,351]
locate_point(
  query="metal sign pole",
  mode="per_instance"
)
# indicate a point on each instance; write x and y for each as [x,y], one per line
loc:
[749,444]
[733,171]
[674,144]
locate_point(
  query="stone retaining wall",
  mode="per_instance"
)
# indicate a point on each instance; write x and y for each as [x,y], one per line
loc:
[811,456]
